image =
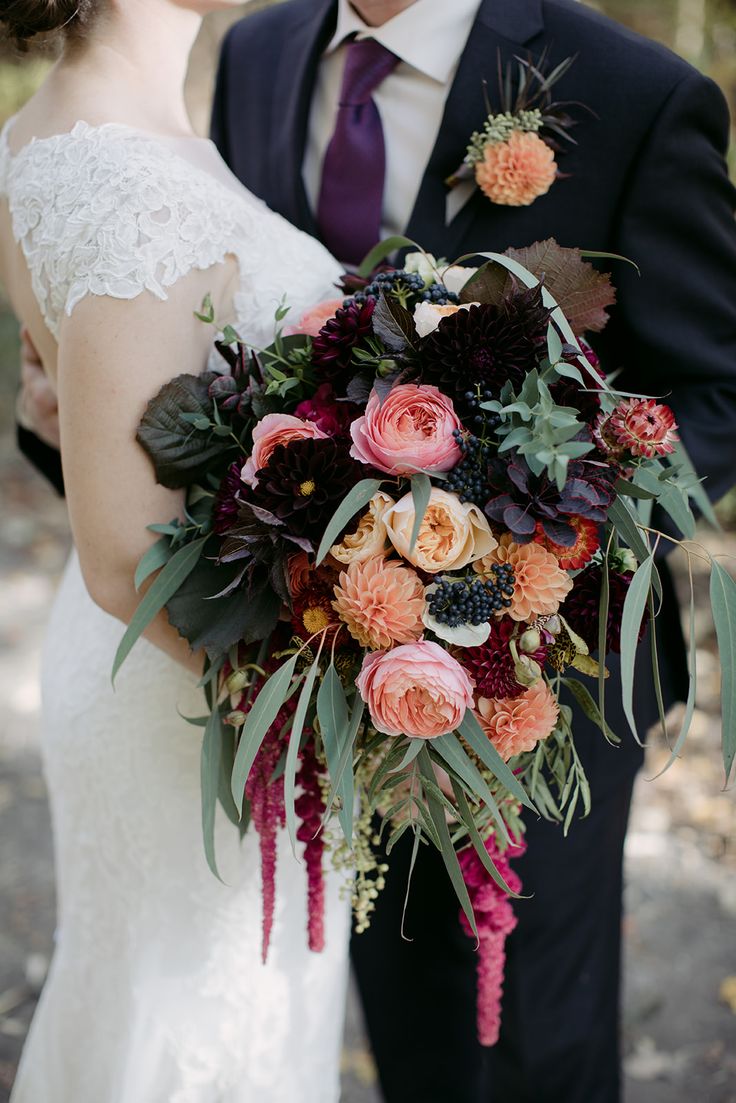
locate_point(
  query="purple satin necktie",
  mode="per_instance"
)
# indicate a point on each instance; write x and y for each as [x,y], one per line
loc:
[350,207]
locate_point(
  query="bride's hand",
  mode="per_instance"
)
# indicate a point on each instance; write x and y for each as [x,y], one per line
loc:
[37,408]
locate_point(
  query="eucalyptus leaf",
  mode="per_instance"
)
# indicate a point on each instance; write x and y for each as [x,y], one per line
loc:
[723,604]
[631,619]
[587,704]
[357,499]
[334,724]
[261,716]
[421,489]
[687,718]
[451,751]
[383,250]
[211,760]
[292,754]
[466,817]
[164,586]
[156,557]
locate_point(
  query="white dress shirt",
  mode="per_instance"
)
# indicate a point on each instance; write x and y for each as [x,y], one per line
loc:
[429,37]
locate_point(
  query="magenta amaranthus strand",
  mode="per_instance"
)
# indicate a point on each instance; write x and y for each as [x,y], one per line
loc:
[388,511]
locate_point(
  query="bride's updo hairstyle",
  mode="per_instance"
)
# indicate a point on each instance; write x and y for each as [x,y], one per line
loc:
[26,19]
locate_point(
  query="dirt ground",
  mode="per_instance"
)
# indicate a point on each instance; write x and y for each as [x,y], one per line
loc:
[680,1005]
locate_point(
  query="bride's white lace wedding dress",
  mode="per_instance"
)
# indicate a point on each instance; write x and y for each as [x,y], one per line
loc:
[157,993]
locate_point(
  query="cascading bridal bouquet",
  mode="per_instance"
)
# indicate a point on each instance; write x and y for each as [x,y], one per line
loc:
[415,526]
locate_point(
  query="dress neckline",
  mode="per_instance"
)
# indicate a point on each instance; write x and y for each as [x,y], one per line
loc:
[82,128]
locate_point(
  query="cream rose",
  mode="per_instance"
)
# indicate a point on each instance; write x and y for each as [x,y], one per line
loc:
[452,534]
[370,538]
[427,316]
[456,276]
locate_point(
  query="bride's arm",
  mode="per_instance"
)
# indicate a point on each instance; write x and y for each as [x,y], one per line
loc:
[114,355]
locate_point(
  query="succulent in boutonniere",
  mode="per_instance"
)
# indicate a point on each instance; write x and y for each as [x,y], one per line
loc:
[513,157]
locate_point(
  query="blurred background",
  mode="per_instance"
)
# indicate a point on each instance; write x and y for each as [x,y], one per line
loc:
[680,1001]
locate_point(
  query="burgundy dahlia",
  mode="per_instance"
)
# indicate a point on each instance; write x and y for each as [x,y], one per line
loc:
[332,348]
[485,346]
[583,602]
[304,481]
[324,411]
[492,665]
[227,500]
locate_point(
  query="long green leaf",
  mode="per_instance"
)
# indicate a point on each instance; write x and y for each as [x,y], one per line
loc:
[334,723]
[156,557]
[358,497]
[261,716]
[384,249]
[603,604]
[476,738]
[178,568]
[633,613]
[340,782]
[656,676]
[421,489]
[723,603]
[687,718]
[625,524]
[466,817]
[210,764]
[451,751]
[449,857]
[589,707]
[697,491]
[292,754]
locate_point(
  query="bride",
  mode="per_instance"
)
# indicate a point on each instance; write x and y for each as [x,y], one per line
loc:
[115,221]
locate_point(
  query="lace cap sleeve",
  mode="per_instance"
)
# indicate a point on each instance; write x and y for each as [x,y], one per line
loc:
[103,214]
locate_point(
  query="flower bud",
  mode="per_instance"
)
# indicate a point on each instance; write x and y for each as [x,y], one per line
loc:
[527,671]
[236,718]
[531,640]
[554,625]
[237,681]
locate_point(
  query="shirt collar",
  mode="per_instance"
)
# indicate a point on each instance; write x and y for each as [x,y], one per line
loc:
[430,35]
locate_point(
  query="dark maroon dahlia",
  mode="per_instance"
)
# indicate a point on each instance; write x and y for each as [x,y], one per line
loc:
[522,499]
[227,500]
[332,348]
[485,346]
[304,482]
[492,665]
[583,602]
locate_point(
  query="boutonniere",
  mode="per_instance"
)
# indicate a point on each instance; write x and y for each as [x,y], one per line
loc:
[513,159]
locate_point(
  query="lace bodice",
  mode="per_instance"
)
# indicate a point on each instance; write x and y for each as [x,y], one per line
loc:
[109,210]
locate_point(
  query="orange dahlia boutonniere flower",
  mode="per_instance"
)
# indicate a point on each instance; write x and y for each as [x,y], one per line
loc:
[513,157]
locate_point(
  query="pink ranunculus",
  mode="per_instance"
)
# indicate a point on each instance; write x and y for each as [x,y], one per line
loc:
[324,411]
[312,320]
[411,430]
[417,690]
[272,430]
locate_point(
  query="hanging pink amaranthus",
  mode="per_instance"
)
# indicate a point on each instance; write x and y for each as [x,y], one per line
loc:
[268,814]
[495,920]
[310,808]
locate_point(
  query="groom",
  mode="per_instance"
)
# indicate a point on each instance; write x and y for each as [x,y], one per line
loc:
[647,179]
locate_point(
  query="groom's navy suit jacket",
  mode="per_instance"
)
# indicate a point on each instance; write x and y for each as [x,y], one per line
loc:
[646,180]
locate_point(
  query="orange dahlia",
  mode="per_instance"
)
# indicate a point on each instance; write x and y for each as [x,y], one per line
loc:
[540,584]
[576,556]
[516,172]
[518,724]
[381,601]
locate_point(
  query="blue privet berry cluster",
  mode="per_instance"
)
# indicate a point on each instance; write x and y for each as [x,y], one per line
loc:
[469,479]
[472,600]
[485,418]
[407,287]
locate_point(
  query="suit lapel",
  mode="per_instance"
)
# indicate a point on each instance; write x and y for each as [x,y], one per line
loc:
[292,88]
[500,25]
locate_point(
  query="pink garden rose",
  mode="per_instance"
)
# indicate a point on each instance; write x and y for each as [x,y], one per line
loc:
[411,430]
[417,689]
[272,430]
[312,320]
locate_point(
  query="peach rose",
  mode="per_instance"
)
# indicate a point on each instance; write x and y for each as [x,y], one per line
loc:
[272,430]
[516,172]
[312,320]
[517,724]
[411,430]
[381,601]
[370,538]
[540,584]
[452,534]
[417,689]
